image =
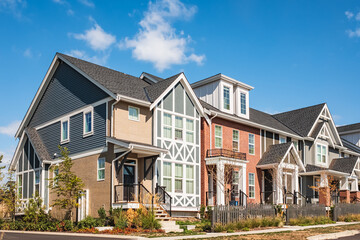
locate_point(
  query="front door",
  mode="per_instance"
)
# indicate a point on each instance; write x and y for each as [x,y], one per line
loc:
[129,171]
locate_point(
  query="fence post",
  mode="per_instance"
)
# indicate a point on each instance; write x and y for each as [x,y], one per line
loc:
[287,215]
[335,217]
[213,217]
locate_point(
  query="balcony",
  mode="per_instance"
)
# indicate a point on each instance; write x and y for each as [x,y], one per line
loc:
[220,152]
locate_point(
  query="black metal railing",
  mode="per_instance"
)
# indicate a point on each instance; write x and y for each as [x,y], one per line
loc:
[221,152]
[165,200]
[242,198]
[133,193]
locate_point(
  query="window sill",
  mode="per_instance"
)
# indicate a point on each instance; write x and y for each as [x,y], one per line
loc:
[101,180]
[65,141]
[88,134]
[136,120]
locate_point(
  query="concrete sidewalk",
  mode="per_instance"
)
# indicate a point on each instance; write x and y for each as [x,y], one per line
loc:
[207,235]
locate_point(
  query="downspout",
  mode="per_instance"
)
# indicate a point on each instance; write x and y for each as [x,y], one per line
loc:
[112,172]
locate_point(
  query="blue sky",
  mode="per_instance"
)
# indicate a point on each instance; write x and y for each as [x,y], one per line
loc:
[295,53]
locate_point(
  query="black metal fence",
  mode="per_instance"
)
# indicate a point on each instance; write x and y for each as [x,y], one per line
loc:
[228,214]
[309,210]
[343,209]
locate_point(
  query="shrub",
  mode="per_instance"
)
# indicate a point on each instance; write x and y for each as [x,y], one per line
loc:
[88,222]
[247,224]
[219,228]
[202,211]
[349,218]
[306,221]
[102,213]
[204,226]
[131,217]
[120,219]
[149,221]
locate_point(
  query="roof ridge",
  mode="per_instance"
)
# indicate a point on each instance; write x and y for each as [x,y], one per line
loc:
[298,109]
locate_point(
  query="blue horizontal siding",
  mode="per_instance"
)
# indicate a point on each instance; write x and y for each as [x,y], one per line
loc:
[50,135]
[67,91]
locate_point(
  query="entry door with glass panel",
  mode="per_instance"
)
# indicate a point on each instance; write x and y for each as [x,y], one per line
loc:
[129,180]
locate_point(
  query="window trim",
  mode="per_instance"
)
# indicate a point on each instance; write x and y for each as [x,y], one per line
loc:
[281,137]
[166,176]
[321,154]
[231,89]
[63,141]
[86,111]
[138,115]
[179,178]
[246,105]
[189,179]
[252,185]
[189,131]
[100,169]
[221,137]
[228,89]
[179,128]
[251,144]
[238,140]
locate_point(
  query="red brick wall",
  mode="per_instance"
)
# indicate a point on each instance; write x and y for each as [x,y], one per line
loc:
[227,128]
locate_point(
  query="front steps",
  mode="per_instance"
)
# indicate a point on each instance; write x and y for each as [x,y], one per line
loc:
[165,220]
[161,214]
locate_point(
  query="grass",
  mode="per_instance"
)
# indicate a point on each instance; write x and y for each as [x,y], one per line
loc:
[307,221]
[349,218]
[293,235]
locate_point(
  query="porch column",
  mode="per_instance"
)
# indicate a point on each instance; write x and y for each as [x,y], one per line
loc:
[354,191]
[324,190]
[279,185]
[220,188]
[295,181]
[242,182]
[344,190]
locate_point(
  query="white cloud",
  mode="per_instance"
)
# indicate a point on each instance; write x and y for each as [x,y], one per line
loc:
[83,55]
[87,3]
[14,7]
[157,41]
[96,38]
[349,14]
[59,1]
[10,129]
[357,17]
[28,53]
[355,33]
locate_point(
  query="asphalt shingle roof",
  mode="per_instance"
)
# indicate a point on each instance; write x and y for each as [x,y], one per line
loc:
[256,116]
[154,77]
[155,90]
[350,145]
[345,165]
[37,143]
[317,130]
[300,120]
[351,127]
[116,82]
[313,168]
[274,154]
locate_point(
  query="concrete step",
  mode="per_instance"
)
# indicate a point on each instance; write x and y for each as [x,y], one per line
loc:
[170,226]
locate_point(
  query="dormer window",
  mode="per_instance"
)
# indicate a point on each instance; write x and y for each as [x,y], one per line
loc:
[226,98]
[243,103]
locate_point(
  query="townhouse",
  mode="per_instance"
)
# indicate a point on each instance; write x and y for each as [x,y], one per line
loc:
[190,144]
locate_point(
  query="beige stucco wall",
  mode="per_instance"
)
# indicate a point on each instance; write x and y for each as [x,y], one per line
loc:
[130,130]
[99,191]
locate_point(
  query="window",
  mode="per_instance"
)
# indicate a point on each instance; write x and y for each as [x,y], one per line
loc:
[235,177]
[167,176]
[235,141]
[88,122]
[189,179]
[189,130]
[251,185]
[282,140]
[226,98]
[167,125]
[20,184]
[296,145]
[321,153]
[134,113]
[243,103]
[218,136]
[101,169]
[178,128]
[251,144]
[178,177]
[64,131]
[37,182]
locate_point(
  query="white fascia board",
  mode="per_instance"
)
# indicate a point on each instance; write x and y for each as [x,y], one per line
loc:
[247,122]
[136,146]
[147,76]
[221,77]
[268,166]
[123,98]
[329,172]
[53,66]
[297,157]
[16,153]
[349,132]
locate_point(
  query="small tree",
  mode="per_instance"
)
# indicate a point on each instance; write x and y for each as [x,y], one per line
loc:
[66,185]
[224,180]
[9,197]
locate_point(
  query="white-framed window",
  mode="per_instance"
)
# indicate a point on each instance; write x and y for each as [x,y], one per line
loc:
[65,127]
[235,177]
[189,179]
[88,122]
[296,145]
[226,97]
[134,113]
[37,181]
[218,136]
[101,169]
[321,153]
[235,140]
[282,140]
[243,103]
[189,130]
[179,178]
[167,129]
[178,128]
[251,144]
[20,185]
[167,176]
[251,185]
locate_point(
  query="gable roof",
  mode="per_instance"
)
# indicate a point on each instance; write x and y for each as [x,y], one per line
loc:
[345,165]
[156,78]
[38,144]
[300,120]
[348,128]
[255,116]
[155,90]
[274,154]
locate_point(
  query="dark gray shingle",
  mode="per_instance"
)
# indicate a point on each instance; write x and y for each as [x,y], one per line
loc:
[350,145]
[350,127]
[155,90]
[274,154]
[37,143]
[345,165]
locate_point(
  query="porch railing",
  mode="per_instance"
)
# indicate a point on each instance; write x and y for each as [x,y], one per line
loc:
[133,193]
[165,200]
[221,152]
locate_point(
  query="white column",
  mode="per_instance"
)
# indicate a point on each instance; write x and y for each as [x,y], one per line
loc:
[220,188]
[355,185]
[211,189]
[344,183]
[324,180]
[296,179]
[243,181]
[279,187]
